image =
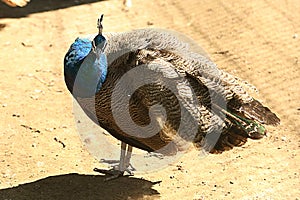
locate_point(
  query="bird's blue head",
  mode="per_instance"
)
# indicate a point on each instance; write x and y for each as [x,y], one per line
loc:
[85,65]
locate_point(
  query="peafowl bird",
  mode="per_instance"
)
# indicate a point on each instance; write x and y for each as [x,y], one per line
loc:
[150,90]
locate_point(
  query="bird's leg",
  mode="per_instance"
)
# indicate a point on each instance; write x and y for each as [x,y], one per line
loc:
[126,151]
[123,166]
[127,160]
[122,157]
[128,156]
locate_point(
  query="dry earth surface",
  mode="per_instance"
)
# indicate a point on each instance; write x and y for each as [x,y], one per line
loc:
[258,41]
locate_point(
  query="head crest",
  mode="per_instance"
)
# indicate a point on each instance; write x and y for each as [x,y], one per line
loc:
[99,24]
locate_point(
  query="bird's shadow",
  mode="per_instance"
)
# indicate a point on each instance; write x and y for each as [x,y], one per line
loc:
[35,6]
[76,186]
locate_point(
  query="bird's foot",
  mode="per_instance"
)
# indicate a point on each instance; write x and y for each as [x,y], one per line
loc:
[113,173]
[119,167]
[115,164]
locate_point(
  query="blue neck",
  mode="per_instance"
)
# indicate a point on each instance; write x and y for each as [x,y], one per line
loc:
[86,67]
[90,76]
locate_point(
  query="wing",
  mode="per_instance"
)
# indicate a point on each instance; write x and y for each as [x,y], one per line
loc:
[216,88]
[148,103]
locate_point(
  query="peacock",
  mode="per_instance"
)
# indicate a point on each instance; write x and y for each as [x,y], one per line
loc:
[152,91]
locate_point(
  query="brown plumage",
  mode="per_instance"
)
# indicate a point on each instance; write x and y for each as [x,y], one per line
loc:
[160,95]
[188,68]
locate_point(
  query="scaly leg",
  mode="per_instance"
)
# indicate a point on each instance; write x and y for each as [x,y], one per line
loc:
[128,167]
[123,164]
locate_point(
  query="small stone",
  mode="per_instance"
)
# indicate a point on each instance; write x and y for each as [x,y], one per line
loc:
[49,129]
[34,97]
[149,23]
[38,91]
[198,197]
[16,115]
[295,36]
[179,167]
[40,164]
[26,44]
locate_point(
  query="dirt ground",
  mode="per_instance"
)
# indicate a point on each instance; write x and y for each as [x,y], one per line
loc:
[258,41]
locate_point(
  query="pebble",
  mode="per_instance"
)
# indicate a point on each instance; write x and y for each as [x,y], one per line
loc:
[49,129]
[40,164]
[198,197]
[34,97]
[295,36]
[38,91]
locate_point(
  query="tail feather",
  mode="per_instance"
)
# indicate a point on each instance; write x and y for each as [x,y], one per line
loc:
[244,115]
[254,110]
[233,137]
[243,121]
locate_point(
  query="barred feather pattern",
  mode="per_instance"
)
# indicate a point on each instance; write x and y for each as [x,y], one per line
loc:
[159,50]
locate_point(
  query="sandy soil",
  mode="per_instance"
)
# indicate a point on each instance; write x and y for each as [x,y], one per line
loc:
[255,40]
